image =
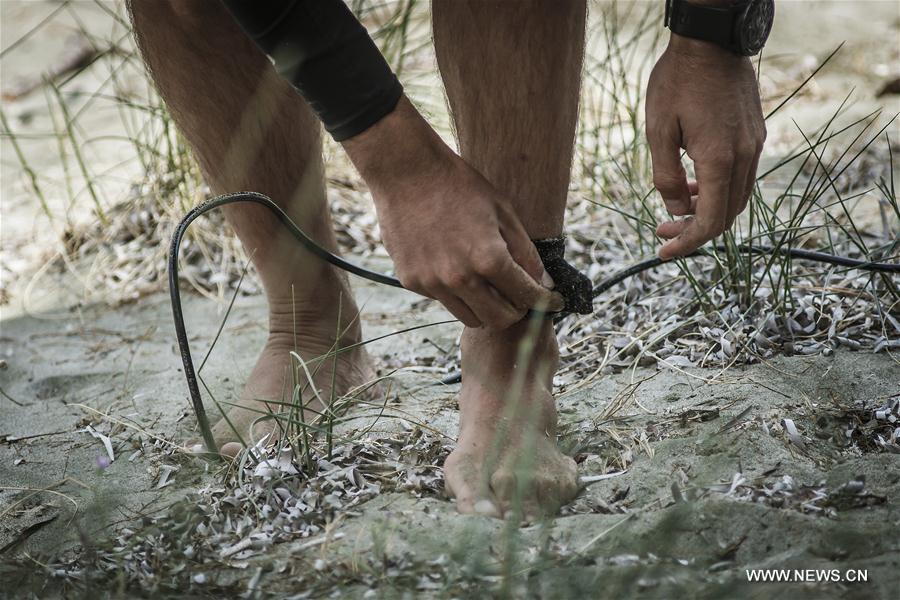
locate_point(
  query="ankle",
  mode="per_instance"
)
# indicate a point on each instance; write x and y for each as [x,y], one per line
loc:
[321,310]
[497,354]
[534,339]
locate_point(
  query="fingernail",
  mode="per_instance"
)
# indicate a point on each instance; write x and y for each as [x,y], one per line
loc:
[547,281]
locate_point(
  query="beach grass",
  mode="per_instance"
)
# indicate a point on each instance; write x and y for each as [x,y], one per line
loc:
[807,197]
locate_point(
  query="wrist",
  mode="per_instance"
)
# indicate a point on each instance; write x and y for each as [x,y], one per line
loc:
[399,145]
[702,50]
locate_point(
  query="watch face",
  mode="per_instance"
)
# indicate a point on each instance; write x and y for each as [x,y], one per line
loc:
[754,26]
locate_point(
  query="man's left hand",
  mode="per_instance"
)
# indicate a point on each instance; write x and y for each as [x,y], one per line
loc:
[704,99]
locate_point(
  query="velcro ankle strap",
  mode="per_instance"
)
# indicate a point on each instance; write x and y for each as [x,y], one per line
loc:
[574,286]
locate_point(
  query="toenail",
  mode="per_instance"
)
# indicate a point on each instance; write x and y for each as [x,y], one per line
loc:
[485,507]
[510,514]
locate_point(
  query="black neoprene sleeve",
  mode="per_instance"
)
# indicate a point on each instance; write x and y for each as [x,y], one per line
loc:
[327,55]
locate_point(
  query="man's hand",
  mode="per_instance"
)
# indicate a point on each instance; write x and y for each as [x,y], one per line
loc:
[704,99]
[452,236]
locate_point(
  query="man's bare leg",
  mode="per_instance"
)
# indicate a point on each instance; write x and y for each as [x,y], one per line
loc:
[512,76]
[251,131]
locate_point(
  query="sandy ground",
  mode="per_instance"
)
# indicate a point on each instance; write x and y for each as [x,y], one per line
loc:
[670,525]
[676,527]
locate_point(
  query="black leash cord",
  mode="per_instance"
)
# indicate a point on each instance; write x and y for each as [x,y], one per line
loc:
[308,243]
[821,257]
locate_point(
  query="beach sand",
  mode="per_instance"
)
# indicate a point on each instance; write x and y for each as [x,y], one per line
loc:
[707,481]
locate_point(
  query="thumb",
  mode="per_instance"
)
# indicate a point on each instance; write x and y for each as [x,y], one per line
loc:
[669,177]
[522,249]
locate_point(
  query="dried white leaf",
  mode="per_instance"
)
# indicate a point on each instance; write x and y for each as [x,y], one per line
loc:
[792,432]
[165,471]
[594,478]
[107,443]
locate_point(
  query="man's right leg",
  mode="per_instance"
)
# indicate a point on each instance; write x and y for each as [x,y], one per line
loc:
[512,75]
[250,130]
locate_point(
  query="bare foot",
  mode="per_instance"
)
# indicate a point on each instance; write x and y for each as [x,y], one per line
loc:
[506,460]
[314,319]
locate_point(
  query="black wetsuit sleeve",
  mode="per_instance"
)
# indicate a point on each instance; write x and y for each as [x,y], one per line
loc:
[327,55]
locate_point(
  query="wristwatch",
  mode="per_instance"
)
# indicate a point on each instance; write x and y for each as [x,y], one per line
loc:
[742,26]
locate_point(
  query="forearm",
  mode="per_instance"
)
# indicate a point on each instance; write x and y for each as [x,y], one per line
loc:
[399,147]
[327,55]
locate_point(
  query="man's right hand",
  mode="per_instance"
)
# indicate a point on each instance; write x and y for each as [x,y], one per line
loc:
[453,237]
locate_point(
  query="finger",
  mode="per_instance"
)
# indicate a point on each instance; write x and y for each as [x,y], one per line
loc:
[520,246]
[669,177]
[714,186]
[750,185]
[672,229]
[515,285]
[738,194]
[459,309]
[454,305]
[494,311]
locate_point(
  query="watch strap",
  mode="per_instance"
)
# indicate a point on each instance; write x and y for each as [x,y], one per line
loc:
[709,23]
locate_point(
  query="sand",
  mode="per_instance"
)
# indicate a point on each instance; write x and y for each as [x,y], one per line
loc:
[676,528]
[675,521]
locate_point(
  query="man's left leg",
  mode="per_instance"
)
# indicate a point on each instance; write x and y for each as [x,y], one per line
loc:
[512,74]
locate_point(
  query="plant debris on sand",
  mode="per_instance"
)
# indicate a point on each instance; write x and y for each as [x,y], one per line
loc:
[727,412]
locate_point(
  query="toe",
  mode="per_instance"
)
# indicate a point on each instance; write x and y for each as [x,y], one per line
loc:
[559,487]
[463,481]
[469,502]
[486,508]
[504,487]
[532,509]
[230,449]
